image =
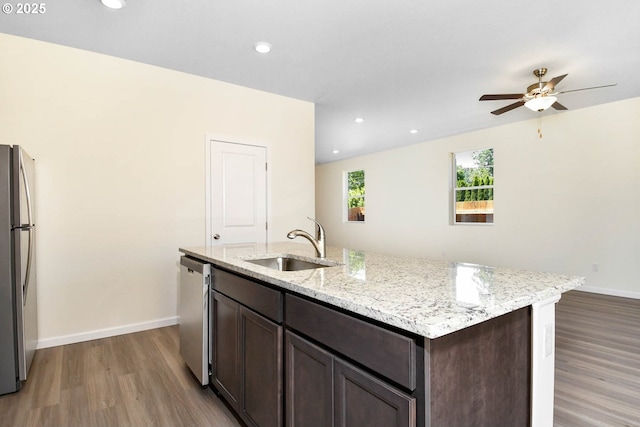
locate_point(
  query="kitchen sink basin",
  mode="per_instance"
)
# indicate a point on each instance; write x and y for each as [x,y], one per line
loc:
[284,263]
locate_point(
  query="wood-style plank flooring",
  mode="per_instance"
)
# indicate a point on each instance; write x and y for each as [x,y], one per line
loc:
[597,361]
[130,380]
[140,380]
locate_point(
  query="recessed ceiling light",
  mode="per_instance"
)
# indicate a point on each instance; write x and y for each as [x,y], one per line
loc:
[262,47]
[358,120]
[114,4]
[413,131]
[335,151]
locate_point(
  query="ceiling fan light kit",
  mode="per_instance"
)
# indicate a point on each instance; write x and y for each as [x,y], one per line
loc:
[262,47]
[540,102]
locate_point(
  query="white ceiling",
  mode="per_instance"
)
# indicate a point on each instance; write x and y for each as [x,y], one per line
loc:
[400,64]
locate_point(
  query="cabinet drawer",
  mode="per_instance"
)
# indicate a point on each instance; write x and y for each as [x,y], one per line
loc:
[388,353]
[260,298]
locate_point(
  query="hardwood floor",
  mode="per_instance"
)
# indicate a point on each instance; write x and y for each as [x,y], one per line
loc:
[597,361]
[130,380]
[140,380]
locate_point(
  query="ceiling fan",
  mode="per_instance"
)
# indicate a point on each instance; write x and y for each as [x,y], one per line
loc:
[539,96]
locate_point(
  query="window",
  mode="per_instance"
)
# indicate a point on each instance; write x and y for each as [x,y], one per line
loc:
[354,195]
[473,187]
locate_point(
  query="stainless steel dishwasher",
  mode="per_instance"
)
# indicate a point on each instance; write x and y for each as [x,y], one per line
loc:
[195,279]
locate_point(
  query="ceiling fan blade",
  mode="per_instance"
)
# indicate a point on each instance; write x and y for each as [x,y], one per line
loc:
[500,97]
[508,108]
[558,106]
[553,82]
[587,88]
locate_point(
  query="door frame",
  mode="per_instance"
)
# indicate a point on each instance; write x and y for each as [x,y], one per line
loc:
[209,137]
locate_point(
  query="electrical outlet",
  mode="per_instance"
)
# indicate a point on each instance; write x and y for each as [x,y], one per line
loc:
[595,268]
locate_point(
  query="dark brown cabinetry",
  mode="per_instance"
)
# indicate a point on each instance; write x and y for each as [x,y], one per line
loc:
[309,382]
[247,367]
[387,353]
[325,391]
[363,400]
[262,368]
[343,370]
[226,360]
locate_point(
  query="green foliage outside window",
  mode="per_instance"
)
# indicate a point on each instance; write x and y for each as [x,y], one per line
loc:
[355,189]
[479,178]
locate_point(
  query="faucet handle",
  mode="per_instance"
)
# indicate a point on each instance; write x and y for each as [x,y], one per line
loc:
[319,228]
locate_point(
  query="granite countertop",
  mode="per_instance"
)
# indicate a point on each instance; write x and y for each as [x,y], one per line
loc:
[426,297]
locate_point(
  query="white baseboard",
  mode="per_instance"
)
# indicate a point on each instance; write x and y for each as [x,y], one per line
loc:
[612,292]
[106,333]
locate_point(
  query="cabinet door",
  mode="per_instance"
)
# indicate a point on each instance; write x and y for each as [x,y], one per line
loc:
[227,361]
[362,400]
[262,347]
[309,379]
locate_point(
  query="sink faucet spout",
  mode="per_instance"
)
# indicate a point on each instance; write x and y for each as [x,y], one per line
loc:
[319,242]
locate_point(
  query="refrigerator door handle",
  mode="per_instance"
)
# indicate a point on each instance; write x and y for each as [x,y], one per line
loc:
[27,273]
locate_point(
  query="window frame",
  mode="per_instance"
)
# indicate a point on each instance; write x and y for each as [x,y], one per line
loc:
[455,189]
[346,197]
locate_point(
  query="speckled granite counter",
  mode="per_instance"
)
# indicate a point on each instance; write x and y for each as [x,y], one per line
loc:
[429,298]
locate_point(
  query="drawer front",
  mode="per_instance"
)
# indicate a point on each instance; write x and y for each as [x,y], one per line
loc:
[260,298]
[388,353]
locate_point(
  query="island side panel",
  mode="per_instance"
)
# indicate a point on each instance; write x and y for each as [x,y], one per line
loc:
[481,375]
[543,338]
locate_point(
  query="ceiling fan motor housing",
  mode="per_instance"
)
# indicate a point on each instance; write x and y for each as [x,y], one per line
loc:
[537,88]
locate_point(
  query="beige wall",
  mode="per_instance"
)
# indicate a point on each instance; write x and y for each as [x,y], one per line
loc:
[585,171]
[119,148]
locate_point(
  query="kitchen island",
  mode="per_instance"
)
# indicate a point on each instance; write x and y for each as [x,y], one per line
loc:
[475,343]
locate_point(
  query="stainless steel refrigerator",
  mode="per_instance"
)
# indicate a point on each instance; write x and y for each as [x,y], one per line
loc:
[18,289]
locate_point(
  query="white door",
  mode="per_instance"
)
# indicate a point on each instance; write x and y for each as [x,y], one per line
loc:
[237,193]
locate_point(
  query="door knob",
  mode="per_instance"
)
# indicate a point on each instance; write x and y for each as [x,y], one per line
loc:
[216,236]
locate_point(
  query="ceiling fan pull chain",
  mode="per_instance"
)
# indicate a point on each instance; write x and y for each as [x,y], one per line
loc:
[540,125]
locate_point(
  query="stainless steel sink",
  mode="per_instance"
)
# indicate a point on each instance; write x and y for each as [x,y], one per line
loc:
[284,263]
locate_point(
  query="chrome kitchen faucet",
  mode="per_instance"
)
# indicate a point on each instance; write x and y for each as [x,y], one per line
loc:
[319,242]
